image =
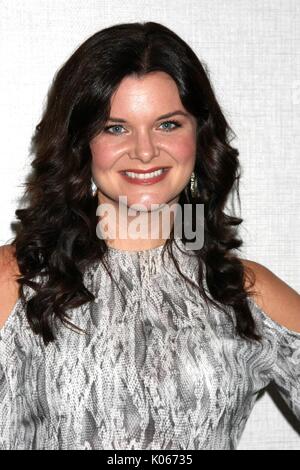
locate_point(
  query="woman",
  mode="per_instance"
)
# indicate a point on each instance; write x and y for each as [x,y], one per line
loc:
[111,342]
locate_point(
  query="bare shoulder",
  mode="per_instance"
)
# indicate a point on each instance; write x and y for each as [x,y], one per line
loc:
[9,288]
[276,298]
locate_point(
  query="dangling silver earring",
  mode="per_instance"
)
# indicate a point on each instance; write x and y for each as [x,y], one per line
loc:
[93,187]
[193,185]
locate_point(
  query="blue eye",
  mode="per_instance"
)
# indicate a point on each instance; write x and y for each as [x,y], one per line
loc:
[110,127]
[175,123]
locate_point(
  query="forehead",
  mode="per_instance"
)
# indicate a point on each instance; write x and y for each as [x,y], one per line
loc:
[157,90]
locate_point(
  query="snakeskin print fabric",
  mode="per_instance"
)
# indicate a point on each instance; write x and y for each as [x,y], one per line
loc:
[155,368]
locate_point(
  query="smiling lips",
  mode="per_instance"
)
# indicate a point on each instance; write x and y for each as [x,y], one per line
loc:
[150,170]
[151,176]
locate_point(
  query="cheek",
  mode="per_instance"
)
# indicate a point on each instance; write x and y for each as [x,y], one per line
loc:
[183,149]
[102,156]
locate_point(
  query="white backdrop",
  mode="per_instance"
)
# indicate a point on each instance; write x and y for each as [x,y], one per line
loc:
[252,50]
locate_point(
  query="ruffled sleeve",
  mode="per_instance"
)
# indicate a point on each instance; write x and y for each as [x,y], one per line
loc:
[285,372]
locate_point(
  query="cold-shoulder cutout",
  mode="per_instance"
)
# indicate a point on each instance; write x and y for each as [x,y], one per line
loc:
[277,301]
[4,326]
[278,327]
[9,288]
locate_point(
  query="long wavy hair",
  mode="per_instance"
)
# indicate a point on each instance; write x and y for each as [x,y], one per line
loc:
[56,238]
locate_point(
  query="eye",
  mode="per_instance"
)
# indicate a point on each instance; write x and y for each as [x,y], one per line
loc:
[107,129]
[176,124]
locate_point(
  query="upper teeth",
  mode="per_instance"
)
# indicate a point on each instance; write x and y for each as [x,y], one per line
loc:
[144,175]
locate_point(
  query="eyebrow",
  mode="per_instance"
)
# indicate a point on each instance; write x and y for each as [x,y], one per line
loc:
[164,116]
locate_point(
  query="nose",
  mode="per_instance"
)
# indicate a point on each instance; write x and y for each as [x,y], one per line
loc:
[145,148]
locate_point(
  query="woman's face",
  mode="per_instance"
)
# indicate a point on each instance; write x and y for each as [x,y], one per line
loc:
[137,138]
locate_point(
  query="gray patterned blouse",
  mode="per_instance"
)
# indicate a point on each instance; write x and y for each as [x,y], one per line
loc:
[155,370]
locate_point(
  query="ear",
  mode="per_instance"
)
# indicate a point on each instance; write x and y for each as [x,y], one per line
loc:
[276,298]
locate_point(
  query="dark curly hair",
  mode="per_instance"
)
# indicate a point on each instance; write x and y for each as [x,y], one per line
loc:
[56,233]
